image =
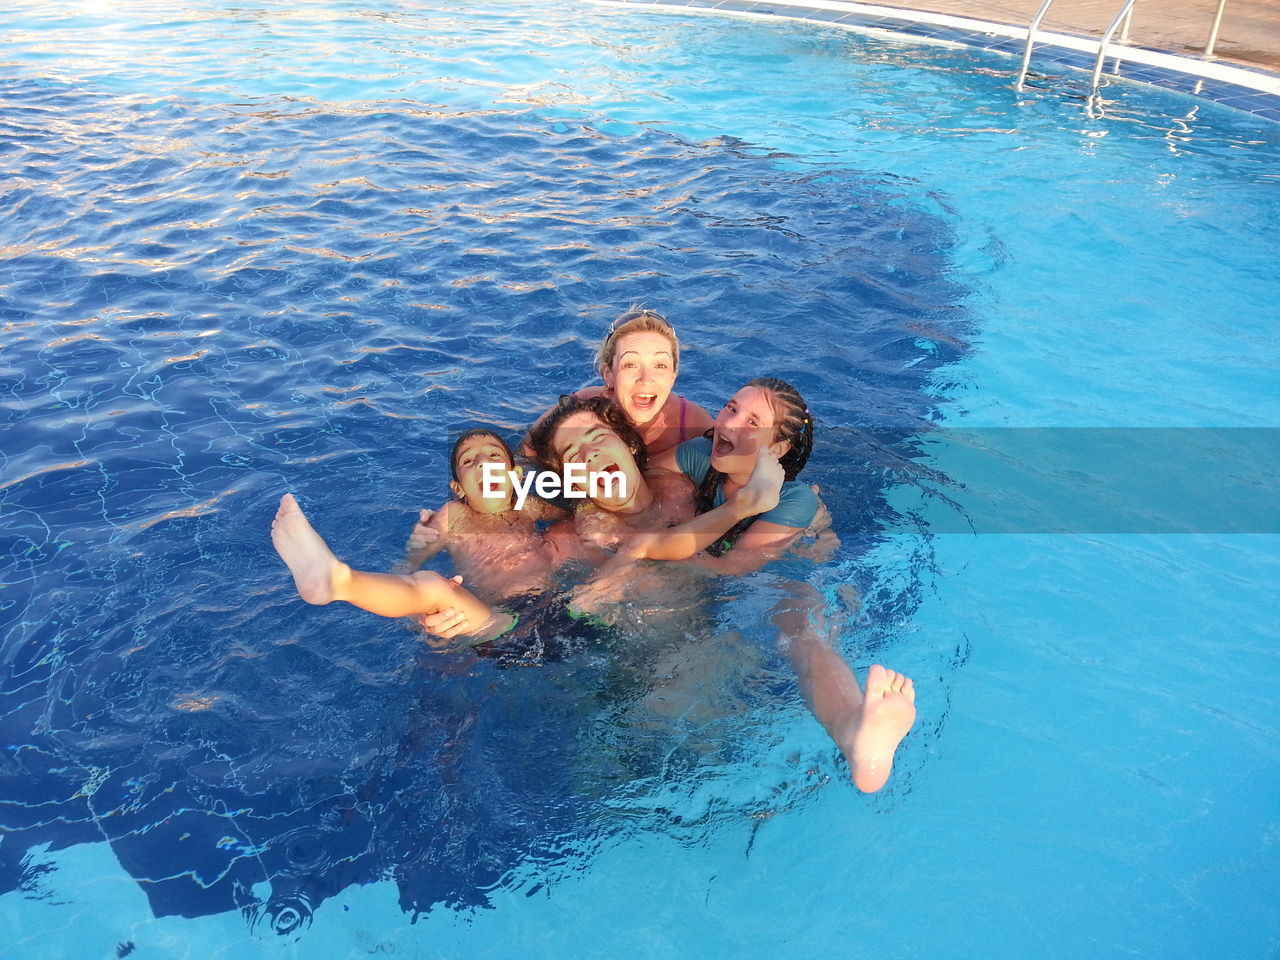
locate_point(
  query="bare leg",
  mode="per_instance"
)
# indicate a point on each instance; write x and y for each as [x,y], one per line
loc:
[867,728]
[322,578]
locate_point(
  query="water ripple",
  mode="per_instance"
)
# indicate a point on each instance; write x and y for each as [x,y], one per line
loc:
[209,300]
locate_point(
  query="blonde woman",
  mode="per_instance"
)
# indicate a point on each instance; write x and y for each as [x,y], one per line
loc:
[638,362]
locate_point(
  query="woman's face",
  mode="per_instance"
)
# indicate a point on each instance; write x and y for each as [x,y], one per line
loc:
[642,375]
[584,438]
[745,424]
[474,453]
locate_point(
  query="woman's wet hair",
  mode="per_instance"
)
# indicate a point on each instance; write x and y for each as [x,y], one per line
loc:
[637,320]
[475,432]
[544,430]
[793,423]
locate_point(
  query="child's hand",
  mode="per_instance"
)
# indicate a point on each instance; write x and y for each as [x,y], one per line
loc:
[447,623]
[763,489]
[821,519]
[423,534]
[589,597]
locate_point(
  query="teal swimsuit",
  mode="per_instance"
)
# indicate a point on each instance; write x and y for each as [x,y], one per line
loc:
[797,504]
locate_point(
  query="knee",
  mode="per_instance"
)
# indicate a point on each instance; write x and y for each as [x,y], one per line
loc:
[429,583]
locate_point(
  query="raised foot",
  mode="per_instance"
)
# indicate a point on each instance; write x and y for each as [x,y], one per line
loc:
[887,713]
[308,557]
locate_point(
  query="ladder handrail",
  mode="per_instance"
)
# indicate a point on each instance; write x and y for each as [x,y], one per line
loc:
[1031,38]
[1124,16]
[1213,34]
[1102,46]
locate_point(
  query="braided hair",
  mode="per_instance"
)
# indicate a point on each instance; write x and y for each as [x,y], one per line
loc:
[793,423]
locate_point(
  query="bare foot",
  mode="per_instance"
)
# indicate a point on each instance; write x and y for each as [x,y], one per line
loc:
[312,563]
[887,713]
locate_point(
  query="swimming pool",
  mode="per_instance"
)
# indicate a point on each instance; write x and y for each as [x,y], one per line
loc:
[257,249]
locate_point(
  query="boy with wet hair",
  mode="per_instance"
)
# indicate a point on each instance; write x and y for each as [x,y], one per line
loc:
[495,547]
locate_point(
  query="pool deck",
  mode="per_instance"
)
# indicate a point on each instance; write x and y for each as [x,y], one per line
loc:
[1249,35]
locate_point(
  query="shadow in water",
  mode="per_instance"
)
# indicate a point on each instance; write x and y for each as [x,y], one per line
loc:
[256,320]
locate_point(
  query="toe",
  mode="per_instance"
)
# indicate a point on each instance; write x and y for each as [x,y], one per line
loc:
[877,680]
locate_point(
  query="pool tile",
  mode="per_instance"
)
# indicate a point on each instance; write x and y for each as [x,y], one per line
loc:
[817,14]
[1141,73]
[1005,45]
[1250,104]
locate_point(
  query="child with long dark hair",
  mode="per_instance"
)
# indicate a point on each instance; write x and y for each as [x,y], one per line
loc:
[762,439]
[759,443]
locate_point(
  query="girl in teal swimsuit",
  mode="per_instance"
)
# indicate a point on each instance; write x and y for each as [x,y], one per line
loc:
[760,442]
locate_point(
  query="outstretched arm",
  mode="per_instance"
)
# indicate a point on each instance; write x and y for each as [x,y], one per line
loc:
[760,495]
[763,541]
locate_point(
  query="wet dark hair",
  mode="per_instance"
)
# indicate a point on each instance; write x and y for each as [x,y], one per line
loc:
[793,423]
[611,416]
[475,432]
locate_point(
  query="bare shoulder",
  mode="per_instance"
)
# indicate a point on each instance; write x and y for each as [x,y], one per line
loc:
[662,460]
[452,518]
[586,393]
[538,509]
[696,420]
[674,491]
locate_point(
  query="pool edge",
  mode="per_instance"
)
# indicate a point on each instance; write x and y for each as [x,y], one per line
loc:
[1252,90]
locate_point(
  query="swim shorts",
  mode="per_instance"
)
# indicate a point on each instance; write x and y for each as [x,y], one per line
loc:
[545,631]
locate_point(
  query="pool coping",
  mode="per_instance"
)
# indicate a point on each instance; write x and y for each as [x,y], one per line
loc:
[1252,90]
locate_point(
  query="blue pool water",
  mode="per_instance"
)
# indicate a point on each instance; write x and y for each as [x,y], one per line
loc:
[250,250]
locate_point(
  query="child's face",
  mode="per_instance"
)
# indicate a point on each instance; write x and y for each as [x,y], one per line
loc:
[474,453]
[642,375]
[746,423]
[585,438]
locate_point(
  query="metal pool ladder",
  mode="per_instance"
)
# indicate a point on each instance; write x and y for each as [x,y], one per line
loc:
[1122,16]
[1125,16]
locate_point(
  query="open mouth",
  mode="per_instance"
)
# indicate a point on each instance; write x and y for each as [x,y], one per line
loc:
[722,447]
[644,401]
